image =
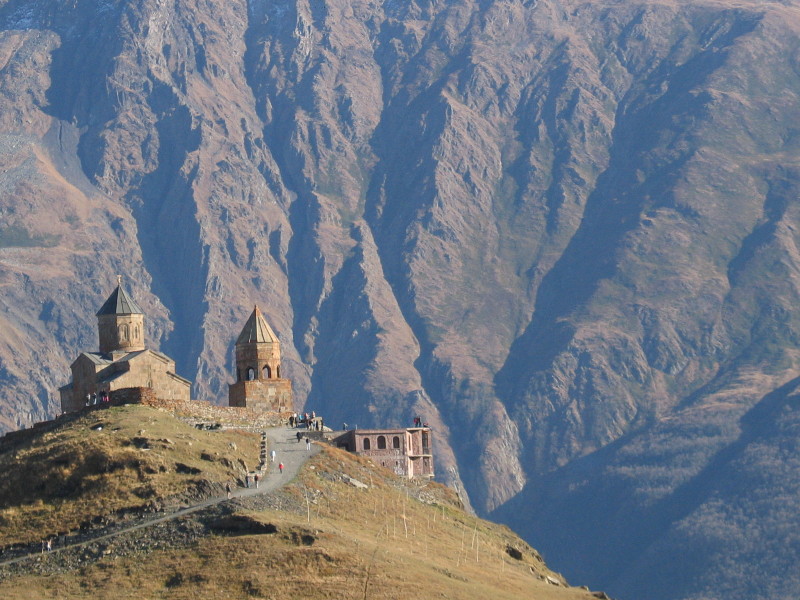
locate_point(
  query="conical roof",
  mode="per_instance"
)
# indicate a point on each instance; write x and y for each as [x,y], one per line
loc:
[119,303]
[257,330]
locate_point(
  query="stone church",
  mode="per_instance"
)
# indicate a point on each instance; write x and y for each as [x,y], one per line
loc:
[122,361]
[259,384]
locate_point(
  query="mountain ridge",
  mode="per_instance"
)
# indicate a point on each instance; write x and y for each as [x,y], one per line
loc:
[551,228]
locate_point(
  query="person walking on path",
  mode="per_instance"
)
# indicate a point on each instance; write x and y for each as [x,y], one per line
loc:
[258,478]
[308,444]
[247,480]
[280,467]
[228,489]
[276,436]
[272,454]
[299,437]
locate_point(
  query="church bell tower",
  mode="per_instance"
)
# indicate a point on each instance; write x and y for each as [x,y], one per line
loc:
[259,384]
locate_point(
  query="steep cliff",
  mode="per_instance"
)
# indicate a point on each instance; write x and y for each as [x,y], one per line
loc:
[564,232]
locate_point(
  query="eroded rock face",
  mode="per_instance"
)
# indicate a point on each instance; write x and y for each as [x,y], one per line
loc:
[553,229]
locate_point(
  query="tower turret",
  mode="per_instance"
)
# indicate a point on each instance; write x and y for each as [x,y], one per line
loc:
[120,323]
[258,368]
[258,350]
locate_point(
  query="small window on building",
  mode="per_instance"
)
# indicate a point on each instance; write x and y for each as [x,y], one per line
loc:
[125,332]
[278,371]
[136,333]
[267,372]
[251,374]
[366,444]
[395,442]
[381,443]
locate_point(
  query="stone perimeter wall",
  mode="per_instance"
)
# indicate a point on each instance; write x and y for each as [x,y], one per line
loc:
[189,411]
[197,411]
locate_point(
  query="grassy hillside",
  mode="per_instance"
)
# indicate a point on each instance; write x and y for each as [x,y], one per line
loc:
[321,536]
[85,469]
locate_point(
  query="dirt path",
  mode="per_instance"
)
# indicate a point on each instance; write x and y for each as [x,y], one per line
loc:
[288,450]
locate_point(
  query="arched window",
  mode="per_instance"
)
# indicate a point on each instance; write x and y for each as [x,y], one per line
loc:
[267,372]
[251,373]
[366,444]
[136,333]
[381,443]
[125,333]
[278,371]
[395,442]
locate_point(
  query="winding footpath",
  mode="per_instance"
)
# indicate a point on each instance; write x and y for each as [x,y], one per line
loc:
[289,451]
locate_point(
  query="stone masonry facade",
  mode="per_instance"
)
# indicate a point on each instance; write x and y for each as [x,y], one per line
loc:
[122,361]
[259,384]
[261,395]
[406,452]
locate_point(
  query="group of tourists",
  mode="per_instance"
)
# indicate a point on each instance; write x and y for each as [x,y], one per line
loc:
[253,480]
[308,420]
[94,399]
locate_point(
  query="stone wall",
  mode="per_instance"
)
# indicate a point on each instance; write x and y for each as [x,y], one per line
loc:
[136,395]
[84,381]
[155,371]
[196,412]
[262,394]
[190,411]
[146,369]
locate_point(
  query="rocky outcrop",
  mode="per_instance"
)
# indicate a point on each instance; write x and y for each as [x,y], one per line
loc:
[562,232]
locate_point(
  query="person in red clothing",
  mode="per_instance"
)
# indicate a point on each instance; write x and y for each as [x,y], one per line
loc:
[280,467]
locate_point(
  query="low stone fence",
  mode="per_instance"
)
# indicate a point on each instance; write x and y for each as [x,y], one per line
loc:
[197,412]
[133,396]
[194,412]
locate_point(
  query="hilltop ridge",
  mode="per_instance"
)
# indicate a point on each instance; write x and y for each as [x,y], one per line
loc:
[342,527]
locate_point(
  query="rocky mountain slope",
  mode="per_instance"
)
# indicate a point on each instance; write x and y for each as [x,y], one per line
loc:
[564,232]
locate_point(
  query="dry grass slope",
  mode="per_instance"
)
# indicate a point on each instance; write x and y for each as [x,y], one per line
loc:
[106,461]
[320,536]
